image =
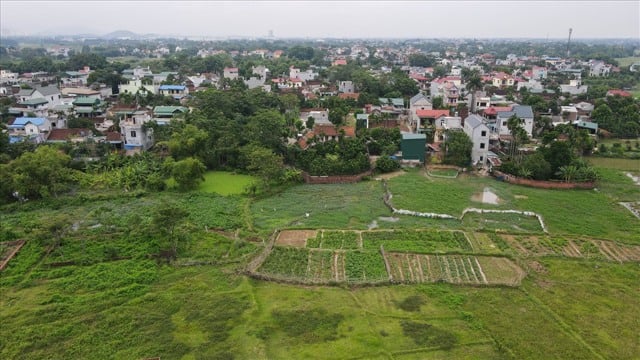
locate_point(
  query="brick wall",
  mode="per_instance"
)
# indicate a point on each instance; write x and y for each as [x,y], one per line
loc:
[337,179]
[542,184]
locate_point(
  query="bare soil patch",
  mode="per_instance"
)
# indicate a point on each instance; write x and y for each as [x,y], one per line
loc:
[486,197]
[537,267]
[295,238]
[390,175]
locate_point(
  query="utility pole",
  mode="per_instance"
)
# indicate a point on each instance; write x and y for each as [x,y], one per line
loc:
[569,43]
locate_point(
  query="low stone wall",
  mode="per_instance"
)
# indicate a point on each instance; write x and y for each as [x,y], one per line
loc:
[444,167]
[334,179]
[541,184]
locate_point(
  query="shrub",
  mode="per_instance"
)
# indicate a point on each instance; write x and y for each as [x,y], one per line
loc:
[385,164]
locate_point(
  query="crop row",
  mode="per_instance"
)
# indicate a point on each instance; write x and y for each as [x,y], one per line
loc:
[417,241]
[329,239]
[558,246]
[325,266]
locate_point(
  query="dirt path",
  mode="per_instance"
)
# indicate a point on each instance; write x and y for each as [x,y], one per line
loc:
[618,251]
[573,246]
[605,250]
[464,268]
[429,271]
[473,271]
[516,244]
[447,270]
[409,267]
[484,278]
[344,267]
[334,267]
[309,257]
[420,272]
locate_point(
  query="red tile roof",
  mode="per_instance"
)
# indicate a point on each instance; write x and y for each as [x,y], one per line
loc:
[614,92]
[65,134]
[113,136]
[346,96]
[432,113]
[495,109]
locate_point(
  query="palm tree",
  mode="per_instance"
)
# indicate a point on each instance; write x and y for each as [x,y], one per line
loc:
[518,134]
[567,173]
[473,83]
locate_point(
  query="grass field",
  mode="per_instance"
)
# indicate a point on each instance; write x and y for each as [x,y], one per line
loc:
[627,61]
[225,183]
[86,284]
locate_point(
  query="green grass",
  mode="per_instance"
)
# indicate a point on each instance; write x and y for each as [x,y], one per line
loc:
[225,183]
[615,163]
[135,307]
[598,213]
[340,206]
[627,61]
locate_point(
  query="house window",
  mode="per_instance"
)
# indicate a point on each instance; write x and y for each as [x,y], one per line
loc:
[483,133]
[481,159]
[133,133]
[482,145]
[504,123]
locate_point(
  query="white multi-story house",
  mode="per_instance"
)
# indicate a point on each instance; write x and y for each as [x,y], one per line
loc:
[8,77]
[136,136]
[523,112]
[32,128]
[539,72]
[478,132]
[418,102]
[599,68]
[230,73]
[136,85]
[50,94]
[346,87]
[260,71]
[306,75]
[448,88]
[175,91]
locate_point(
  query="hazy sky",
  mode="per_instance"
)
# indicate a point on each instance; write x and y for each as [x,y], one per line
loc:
[424,19]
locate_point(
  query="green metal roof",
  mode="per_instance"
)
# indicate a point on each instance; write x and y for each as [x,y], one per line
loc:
[414,136]
[85,110]
[37,101]
[168,110]
[588,125]
[86,101]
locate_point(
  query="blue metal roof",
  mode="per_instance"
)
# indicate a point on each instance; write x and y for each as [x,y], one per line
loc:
[22,121]
[172,87]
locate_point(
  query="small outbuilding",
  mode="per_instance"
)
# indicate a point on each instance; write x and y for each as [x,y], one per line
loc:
[413,147]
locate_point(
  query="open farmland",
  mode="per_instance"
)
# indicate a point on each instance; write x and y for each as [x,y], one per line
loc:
[455,269]
[478,288]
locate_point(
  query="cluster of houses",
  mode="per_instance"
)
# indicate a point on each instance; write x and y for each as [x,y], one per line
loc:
[41,111]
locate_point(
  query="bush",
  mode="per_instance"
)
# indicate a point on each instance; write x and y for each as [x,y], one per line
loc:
[385,164]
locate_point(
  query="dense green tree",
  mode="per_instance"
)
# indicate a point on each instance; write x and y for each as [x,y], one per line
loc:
[188,141]
[267,128]
[458,148]
[188,173]
[264,163]
[558,154]
[40,174]
[166,220]
[421,60]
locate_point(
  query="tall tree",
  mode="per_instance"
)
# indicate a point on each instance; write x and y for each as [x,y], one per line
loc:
[458,148]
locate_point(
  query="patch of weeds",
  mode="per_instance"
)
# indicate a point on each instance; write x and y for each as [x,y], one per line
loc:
[310,326]
[412,303]
[424,334]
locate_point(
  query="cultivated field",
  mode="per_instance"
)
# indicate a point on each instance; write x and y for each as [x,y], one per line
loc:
[89,283]
[454,269]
